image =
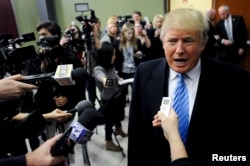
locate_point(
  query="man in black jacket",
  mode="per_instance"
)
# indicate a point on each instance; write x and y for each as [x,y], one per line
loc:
[50,94]
[233,36]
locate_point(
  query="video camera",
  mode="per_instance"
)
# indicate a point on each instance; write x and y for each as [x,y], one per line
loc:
[86,23]
[48,42]
[70,34]
[12,54]
[73,44]
[123,19]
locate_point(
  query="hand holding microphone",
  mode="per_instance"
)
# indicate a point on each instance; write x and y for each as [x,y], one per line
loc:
[79,132]
[81,106]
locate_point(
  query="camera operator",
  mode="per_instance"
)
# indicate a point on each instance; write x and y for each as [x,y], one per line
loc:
[92,35]
[50,94]
[72,40]
[141,34]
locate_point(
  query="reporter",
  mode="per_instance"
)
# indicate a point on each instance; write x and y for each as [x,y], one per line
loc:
[169,125]
[40,156]
[12,88]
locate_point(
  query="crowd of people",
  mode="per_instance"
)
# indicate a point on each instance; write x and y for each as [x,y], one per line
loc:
[184,41]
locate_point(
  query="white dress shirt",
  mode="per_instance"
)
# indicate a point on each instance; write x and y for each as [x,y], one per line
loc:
[191,82]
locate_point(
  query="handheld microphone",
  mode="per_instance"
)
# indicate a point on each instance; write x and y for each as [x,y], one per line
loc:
[81,106]
[66,76]
[79,132]
[79,74]
[63,75]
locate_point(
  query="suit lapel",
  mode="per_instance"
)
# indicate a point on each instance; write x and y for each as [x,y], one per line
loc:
[158,84]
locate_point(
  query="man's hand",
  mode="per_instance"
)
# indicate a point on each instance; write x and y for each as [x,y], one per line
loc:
[57,115]
[42,156]
[11,88]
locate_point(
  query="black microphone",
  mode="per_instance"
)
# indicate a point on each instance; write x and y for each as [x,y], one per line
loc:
[79,132]
[81,106]
[79,74]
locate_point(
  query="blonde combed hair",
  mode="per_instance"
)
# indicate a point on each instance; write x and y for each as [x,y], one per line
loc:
[187,19]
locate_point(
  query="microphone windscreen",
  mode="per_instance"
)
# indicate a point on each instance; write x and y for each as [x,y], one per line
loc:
[79,74]
[82,105]
[90,118]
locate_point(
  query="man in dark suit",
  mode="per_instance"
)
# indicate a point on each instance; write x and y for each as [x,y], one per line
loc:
[233,36]
[218,95]
[210,48]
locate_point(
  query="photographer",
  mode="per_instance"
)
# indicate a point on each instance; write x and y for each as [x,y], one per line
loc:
[72,40]
[142,35]
[91,35]
[50,94]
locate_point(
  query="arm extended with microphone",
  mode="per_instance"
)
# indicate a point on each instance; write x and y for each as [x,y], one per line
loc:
[79,132]
[64,75]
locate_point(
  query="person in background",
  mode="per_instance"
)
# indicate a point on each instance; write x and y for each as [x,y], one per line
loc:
[107,82]
[142,35]
[211,108]
[156,49]
[128,52]
[89,57]
[112,30]
[97,33]
[169,125]
[210,48]
[232,33]
[72,40]
[137,16]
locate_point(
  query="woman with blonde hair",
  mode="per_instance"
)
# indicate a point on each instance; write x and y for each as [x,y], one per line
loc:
[128,52]
[111,30]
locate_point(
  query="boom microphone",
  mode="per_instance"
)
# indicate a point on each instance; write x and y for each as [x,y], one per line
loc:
[79,132]
[81,106]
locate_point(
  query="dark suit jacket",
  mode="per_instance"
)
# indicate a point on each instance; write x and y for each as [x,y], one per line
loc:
[239,35]
[14,161]
[218,123]
[210,48]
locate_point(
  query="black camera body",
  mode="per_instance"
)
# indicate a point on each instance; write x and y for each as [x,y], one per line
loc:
[87,27]
[12,55]
[48,42]
[70,34]
[124,19]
